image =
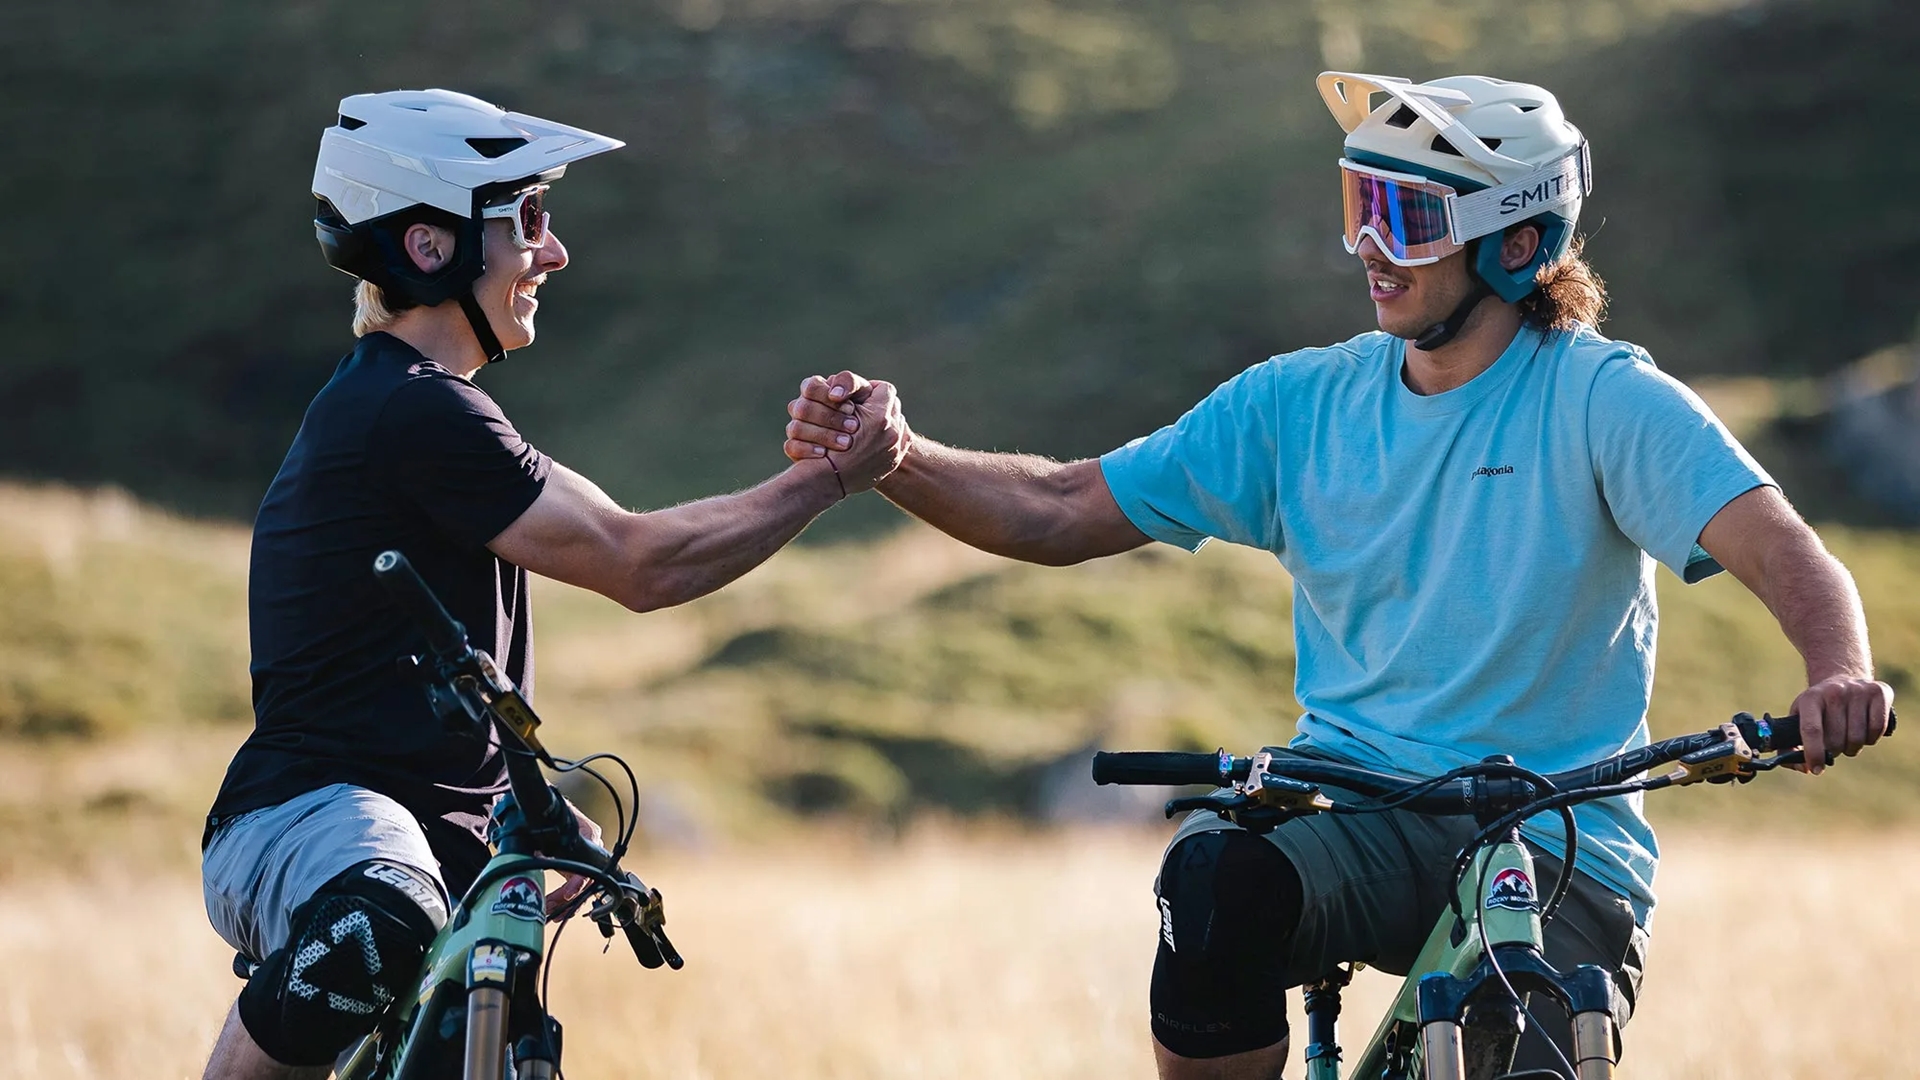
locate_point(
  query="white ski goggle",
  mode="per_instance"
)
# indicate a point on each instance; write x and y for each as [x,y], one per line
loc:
[1415,220]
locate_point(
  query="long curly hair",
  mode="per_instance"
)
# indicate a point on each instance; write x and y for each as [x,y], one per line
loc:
[1566,292]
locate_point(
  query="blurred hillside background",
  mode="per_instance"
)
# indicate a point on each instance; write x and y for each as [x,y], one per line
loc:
[1055,224]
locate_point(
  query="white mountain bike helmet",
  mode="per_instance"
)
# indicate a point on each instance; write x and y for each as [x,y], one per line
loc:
[408,156]
[1430,168]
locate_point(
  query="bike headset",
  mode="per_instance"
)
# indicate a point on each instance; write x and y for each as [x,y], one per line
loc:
[1439,165]
[406,157]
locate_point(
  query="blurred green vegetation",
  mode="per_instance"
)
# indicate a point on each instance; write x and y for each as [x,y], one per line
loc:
[864,683]
[115,618]
[1056,223]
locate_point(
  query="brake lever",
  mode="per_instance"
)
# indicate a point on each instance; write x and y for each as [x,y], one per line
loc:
[640,913]
[1790,758]
[1224,805]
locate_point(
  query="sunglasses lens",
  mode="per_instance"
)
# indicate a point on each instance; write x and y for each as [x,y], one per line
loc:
[533,218]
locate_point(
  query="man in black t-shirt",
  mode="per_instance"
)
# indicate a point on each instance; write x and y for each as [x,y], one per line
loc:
[350,812]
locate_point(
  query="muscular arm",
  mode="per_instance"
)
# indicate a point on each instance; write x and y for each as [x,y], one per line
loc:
[1017,505]
[574,533]
[1761,541]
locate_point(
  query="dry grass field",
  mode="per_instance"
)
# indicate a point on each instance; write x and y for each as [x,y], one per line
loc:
[973,956]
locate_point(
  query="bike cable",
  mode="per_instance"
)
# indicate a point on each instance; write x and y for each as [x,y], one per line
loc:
[625,828]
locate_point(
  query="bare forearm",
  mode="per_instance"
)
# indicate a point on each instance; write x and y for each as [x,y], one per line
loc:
[1818,607]
[1018,505]
[685,552]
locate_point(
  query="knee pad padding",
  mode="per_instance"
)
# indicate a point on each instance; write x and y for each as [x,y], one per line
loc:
[1229,905]
[355,945]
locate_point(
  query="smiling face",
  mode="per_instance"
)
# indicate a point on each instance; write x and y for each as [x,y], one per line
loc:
[507,290]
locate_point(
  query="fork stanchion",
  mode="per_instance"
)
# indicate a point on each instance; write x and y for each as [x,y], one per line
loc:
[1440,1047]
[1593,1045]
[486,1033]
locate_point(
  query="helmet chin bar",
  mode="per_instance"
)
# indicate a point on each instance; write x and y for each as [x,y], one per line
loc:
[482,328]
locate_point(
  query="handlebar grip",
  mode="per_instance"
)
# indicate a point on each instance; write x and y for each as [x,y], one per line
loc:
[1168,768]
[1784,731]
[403,584]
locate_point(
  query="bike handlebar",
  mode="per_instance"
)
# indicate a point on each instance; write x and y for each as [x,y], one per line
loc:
[1465,795]
[444,636]
[460,664]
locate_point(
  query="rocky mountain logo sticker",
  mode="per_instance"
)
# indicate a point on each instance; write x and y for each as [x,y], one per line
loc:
[520,898]
[1512,889]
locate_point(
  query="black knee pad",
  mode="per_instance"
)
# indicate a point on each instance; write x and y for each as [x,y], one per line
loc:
[355,945]
[1229,904]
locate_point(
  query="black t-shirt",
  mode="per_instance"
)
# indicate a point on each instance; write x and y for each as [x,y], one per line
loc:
[395,452]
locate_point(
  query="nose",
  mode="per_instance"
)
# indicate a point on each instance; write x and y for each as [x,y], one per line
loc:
[1368,251]
[552,254]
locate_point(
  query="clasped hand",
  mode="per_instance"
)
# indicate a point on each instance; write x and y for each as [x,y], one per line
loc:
[855,425]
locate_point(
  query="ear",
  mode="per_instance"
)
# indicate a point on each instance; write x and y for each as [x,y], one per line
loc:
[1518,246]
[429,246]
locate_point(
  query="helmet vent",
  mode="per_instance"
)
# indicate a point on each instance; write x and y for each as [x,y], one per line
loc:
[1442,146]
[349,123]
[1402,118]
[498,147]
[1528,108]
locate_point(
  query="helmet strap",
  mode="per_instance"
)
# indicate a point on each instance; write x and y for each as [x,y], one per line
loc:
[482,329]
[1444,331]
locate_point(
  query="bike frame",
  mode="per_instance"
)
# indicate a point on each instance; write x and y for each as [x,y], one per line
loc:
[1419,1038]
[490,948]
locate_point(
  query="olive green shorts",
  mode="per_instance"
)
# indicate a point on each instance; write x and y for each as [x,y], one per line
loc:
[1375,885]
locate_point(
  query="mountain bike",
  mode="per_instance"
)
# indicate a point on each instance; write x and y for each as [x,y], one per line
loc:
[1461,1011]
[480,1010]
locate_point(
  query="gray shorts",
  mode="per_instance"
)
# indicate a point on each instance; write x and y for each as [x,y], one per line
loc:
[1374,886]
[261,865]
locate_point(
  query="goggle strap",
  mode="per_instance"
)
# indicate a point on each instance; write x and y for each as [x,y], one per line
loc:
[1550,187]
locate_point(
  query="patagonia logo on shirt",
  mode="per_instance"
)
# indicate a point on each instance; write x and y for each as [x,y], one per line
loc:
[1493,470]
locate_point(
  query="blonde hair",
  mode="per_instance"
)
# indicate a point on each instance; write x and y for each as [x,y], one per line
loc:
[370,311]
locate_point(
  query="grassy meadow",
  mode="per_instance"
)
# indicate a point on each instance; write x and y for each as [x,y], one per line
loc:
[951,956]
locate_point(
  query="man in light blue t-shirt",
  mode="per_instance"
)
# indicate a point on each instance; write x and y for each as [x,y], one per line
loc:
[1471,502]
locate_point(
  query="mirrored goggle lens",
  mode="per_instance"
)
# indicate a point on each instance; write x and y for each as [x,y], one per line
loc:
[1409,218]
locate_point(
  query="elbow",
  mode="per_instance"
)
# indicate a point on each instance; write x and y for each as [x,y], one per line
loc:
[647,590]
[1058,540]
[1057,554]
[640,601]
[643,575]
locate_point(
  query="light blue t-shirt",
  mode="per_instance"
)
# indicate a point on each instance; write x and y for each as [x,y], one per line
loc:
[1473,570]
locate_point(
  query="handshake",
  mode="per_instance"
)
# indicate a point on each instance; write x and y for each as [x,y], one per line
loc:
[855,426]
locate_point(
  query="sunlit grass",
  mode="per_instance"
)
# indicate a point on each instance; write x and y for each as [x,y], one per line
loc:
[957,956]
